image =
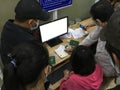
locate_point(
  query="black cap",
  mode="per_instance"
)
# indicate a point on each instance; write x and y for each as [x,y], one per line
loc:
[30,9]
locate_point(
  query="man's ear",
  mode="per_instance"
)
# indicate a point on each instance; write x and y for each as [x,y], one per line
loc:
[99,22]
[31,22]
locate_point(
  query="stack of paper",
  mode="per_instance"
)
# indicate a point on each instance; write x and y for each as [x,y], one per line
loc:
[77,33]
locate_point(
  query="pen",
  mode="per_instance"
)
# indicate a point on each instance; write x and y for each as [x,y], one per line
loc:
[83,27]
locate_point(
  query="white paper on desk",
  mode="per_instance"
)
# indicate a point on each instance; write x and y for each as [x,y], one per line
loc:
[69,34]
[78,33]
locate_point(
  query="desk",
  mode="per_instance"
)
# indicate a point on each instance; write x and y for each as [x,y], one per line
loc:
[65,41]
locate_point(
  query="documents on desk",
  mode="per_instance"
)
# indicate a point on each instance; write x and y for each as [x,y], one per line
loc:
[77,33]
[60,51]
[69,34]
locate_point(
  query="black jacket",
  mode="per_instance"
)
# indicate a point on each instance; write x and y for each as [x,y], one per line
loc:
[12,35]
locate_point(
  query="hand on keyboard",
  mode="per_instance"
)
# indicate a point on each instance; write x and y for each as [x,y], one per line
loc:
[66,74]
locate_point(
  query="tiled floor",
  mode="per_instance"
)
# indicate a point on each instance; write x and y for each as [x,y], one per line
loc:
[108,83]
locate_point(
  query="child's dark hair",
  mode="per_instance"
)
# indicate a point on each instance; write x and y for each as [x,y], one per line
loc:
[102,10]
[82,61]
[28,61]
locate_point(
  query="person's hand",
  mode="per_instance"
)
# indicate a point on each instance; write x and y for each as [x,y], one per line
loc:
[90,25]
[69,49]
[67,73]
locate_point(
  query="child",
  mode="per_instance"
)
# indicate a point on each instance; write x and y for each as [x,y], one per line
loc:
[87,75]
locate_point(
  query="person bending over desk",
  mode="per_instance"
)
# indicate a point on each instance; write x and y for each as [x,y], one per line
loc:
[102,56]
[86,74]
[28,67]
[100,12]
[27,14]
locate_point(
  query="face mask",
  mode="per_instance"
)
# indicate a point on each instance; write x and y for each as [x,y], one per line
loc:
[36,26]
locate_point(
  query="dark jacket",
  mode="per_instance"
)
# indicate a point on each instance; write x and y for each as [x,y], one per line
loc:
[116,88]
[12,35]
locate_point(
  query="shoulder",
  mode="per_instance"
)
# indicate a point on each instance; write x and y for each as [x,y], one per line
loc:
[98,70]
[67,84]
[98,67]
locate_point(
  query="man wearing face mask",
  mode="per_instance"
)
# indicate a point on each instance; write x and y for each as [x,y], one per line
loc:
[27,16]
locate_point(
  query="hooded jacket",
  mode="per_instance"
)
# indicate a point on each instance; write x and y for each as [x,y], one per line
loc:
[78,82]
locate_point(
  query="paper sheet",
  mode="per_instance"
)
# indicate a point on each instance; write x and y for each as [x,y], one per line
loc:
[69,34]
[78,33]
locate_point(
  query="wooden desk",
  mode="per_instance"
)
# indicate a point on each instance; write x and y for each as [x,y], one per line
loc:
[65,41]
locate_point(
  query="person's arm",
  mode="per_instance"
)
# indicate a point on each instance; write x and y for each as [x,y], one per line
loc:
[92,37]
